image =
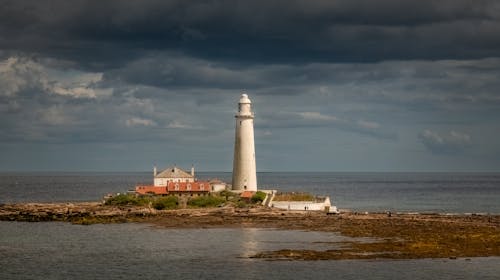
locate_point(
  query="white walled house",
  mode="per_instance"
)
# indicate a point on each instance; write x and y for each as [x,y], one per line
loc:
[217,185]
[320,204]
[172,174]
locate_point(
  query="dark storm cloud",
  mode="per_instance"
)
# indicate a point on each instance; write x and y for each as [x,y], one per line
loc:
[103,34]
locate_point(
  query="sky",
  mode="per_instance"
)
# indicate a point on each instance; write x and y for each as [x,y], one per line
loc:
[354,85]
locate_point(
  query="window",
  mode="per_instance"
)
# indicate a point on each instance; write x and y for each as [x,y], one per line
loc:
[176,187]
[202,187]
[188,187]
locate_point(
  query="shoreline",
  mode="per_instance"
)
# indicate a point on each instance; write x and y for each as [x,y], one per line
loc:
[396,236]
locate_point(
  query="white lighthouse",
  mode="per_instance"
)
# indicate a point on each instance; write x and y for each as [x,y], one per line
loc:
[244,170]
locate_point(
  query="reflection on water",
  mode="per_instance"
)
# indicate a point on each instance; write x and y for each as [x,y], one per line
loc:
[249,243]
[138,251]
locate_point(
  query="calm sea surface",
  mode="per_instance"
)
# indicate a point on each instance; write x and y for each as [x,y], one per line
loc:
[139,251]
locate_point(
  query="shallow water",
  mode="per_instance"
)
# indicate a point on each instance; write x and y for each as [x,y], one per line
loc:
[139,251]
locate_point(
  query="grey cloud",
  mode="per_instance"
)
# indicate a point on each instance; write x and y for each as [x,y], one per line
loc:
[177,91]
[18,75]
[180,71]
[105,35]
[49,105]
[307,119]
[416,85]
[450,143]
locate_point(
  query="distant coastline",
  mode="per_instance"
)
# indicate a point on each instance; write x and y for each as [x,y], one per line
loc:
[396,236]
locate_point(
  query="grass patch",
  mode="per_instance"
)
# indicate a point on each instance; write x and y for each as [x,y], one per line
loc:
[127,200]
[167,202]
[229,195]
[258,197]
[294,197]
[157,202]
[241,204]
[206,201]
[174,202]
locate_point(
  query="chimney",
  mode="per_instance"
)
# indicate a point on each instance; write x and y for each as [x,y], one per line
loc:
[192,170]
[154,171]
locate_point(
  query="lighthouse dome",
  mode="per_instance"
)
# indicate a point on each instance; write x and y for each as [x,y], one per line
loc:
[244,99]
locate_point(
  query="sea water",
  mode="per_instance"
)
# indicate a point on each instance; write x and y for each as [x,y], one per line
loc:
[56,250]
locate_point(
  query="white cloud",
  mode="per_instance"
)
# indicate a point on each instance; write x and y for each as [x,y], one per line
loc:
[448,143]
[315,119]
[79,85]
[139,122]
[460,137]
[17,74]
[316,116]
[21,73]
[368,124]
[177,124]
[82,92]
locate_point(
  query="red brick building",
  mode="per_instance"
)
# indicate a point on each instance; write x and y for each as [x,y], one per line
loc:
[176,188]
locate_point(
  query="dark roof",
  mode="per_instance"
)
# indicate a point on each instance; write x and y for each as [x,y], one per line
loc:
[173,172]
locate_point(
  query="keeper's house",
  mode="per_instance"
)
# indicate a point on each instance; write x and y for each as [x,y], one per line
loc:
[176,188]
[172,174]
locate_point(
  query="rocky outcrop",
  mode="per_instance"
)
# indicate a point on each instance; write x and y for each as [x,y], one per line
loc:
[82,212]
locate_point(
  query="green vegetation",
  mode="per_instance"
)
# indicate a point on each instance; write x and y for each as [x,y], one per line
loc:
[241,204]
[294,197]
[229,195]
[167,202]
[128,200]
[158,202]
[174,202]
[258,197]
[206,201]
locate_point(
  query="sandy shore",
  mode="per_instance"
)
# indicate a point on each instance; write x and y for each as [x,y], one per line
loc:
[400,236]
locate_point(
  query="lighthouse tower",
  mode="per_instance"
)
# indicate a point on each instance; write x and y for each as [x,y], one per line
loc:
[244,171]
